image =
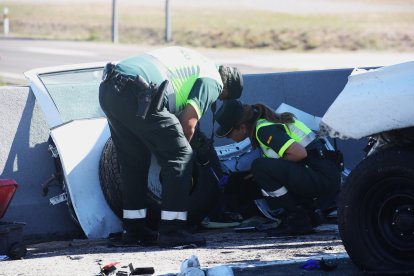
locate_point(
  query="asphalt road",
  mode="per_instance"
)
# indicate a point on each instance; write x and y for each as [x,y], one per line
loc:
[18,55]
[249,253]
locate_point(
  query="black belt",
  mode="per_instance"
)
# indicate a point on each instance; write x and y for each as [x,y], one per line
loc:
[144,91]
[319,153]
[316,149]
[120,79]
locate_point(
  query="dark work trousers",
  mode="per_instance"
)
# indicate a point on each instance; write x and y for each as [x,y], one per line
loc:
[306,180]
[135,139]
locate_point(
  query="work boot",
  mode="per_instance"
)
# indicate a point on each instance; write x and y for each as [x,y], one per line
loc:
[317,217]
[144,237]
[136,234]
[173,233]
[295,223]
[179,238]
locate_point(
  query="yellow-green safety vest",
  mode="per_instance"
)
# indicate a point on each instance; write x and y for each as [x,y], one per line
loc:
[297,131]
[183,67]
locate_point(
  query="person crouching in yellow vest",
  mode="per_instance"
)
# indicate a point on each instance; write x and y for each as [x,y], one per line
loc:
[293,172]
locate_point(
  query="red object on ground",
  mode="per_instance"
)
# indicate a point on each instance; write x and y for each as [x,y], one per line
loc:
[7,189]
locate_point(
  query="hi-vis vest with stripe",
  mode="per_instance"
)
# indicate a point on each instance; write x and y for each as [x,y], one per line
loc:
[297,130]
[183,67]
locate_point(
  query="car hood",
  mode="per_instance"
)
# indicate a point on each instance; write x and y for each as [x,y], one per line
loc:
[372,101]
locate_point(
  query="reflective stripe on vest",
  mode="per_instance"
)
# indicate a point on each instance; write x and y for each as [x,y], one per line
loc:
[183,67]
[297,130]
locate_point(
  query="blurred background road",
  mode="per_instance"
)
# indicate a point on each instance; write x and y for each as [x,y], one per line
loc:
[20,55]
[259,36]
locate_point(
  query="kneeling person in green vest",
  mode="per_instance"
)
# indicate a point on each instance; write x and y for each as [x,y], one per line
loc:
[163,129]
[292,171]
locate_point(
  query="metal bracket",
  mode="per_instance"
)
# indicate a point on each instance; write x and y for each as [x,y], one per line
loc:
[58,199]
[54,151]
[46,184]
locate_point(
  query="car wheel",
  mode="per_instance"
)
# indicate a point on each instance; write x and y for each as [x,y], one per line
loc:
[376,212]
[203,197]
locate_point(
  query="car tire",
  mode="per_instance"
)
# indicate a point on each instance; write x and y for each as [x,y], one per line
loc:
[110,177]
[376,212]
[203,196]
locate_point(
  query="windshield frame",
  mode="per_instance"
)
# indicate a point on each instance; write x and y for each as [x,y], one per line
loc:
[53,115]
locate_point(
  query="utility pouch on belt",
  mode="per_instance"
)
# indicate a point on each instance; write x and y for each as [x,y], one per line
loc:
[147,94]
[159,97]
[333,155]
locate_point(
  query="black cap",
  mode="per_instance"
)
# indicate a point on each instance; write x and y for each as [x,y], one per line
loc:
[234,84]
[227,116]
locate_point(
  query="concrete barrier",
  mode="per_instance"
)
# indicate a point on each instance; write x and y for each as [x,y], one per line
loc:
[24,156]
[24,134]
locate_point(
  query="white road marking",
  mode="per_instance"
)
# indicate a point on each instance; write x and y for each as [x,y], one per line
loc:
[7,75]
[63,52]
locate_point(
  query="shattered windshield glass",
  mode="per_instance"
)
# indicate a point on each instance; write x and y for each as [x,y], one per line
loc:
[75,93]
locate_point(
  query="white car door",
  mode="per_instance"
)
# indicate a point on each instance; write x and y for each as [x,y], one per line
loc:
[68,96]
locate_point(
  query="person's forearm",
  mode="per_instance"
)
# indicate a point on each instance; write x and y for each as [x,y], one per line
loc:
[188,120]
[188,130]
[295,153]
[294,157]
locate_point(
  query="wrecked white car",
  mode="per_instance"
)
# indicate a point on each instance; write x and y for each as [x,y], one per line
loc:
[375,214]
[87,162]
[376,207]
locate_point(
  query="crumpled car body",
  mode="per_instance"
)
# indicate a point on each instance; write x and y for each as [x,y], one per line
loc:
[373,101]
[376,205]
[68,96]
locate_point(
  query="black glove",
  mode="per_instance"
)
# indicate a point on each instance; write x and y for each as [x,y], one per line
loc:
[202,147]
